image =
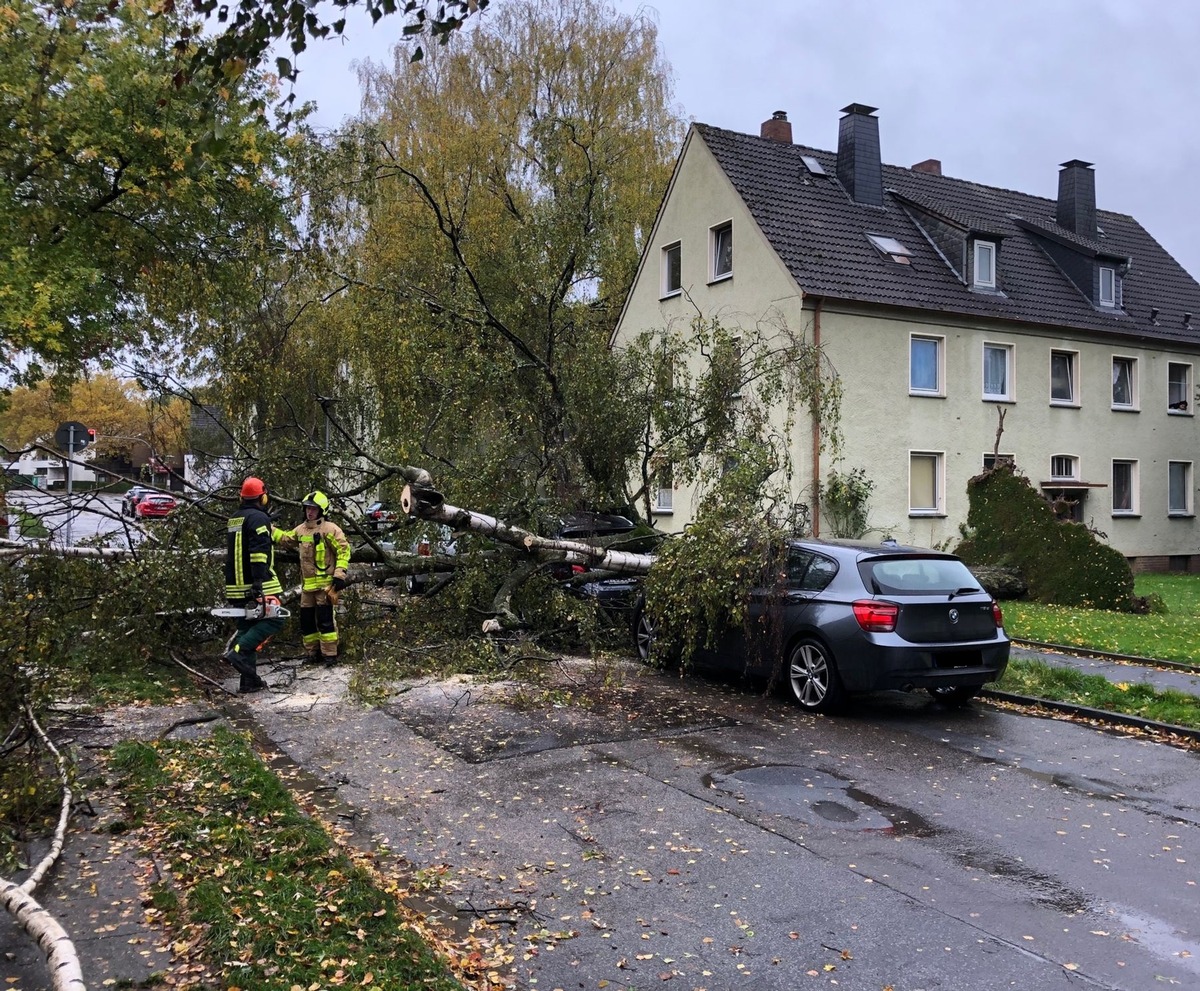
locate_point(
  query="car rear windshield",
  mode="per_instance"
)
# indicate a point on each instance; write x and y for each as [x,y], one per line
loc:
[916,575]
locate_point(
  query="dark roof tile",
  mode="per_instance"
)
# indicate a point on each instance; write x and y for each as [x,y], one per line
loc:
[820,235]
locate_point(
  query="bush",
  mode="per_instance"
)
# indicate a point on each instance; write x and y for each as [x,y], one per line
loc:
[1064,563]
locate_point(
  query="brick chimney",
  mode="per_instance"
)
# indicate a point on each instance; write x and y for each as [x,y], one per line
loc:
[1077,198]
[932,166]
[859,168]
[778,128]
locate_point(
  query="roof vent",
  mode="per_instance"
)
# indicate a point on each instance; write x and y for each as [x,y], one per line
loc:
[778,128]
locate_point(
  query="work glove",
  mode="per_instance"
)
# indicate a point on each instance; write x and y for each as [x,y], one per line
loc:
[256,591]
[339,584]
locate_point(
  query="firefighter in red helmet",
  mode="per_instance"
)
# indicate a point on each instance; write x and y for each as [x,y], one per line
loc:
[249,577]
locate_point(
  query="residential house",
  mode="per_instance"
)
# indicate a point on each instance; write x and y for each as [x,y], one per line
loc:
[940,302]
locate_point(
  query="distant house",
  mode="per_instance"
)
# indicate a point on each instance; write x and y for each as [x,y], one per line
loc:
[44,468]
[939,301]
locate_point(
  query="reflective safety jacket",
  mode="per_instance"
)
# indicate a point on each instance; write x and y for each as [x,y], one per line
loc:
[324,552]
[250,554]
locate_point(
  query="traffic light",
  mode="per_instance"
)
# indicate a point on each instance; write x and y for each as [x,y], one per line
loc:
[91,435]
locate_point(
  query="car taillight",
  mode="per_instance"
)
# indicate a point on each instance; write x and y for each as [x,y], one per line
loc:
[578,569]
[876,617]
[997,615]
[423,549]
[376,515]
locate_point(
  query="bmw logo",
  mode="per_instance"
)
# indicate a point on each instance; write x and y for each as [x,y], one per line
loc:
[953,615]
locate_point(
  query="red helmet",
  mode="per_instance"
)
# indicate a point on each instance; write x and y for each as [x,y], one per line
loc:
[252,488]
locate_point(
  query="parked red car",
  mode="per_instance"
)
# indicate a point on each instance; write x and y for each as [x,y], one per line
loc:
[155,504]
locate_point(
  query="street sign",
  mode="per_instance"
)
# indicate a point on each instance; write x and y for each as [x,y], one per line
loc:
[71,436]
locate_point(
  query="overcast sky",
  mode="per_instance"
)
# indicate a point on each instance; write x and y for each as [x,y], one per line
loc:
[1001,92]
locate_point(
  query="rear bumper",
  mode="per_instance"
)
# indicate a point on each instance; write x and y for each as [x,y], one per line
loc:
[884,667]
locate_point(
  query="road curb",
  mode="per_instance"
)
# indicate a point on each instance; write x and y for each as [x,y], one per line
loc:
[1101,715]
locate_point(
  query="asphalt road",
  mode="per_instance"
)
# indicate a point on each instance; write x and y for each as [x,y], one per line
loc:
[633,828]
[79,519]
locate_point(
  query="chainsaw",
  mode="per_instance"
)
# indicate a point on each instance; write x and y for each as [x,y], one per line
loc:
[256,609]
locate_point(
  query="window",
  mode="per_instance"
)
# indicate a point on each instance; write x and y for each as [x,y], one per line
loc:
[924,483]
[997,371]
[1064,377]
[985,264]
[889,246]
[664,502]
[672,269]
[1124,383]
[1124,488]
[722,251]
[1179,387]
[991,460]
[1108,286]
[1064,466]
[1179,488]
[925,366]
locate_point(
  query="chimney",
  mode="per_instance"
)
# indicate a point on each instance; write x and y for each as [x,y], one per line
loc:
[778,128]
[859,168]
[1077,198]
[931,165]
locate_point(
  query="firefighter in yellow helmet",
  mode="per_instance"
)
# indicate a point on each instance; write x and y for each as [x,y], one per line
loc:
[324,555]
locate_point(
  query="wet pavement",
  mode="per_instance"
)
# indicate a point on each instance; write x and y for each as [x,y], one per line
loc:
[622,828]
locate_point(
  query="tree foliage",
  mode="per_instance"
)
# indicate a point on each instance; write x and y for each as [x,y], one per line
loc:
[128,422]
[1011,524]
[123,197]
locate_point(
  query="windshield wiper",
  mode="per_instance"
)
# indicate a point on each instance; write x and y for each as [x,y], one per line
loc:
[962,591]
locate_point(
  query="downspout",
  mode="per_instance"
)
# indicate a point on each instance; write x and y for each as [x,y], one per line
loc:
[816,426]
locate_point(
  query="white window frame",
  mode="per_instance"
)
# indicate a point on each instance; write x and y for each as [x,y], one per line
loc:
[1186,409]
[1132,405]
[1064,460]
[1132,508]
[984,278]
[1108,299]
[1073,373]
[939,483]
[991,460]
[666,289]
[940,365]
[1188,507]
[714,253]
[664,499]
[1009,363]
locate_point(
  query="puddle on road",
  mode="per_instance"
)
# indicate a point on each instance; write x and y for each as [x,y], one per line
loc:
[813,796]
[1044,888]
[1161,938]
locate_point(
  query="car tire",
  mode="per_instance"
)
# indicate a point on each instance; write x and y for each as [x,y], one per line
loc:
[643,635]
[812,677]
[954,696]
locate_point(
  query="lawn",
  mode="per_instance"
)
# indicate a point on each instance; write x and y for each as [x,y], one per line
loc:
[1173,635]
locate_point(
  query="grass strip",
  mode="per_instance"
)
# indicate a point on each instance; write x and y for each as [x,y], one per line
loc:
[258,890]
[1173,635]
[1132,698]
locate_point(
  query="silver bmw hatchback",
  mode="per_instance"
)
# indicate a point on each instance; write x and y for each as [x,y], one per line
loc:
[845,617]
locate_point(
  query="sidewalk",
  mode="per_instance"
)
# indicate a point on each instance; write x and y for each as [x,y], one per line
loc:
[1116,671]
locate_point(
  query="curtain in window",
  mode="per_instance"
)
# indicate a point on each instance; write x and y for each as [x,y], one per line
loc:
[1122,383]
[922,482]
[1061,386]
[923,365]
[1177,387]
[1178,485]
[995,372]
[723,254]
[1122,489]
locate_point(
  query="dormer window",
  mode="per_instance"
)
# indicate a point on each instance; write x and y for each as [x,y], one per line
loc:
[985,265]
[1108,286]
[889,246]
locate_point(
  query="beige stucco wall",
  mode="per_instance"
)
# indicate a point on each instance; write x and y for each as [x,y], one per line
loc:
[882,423]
